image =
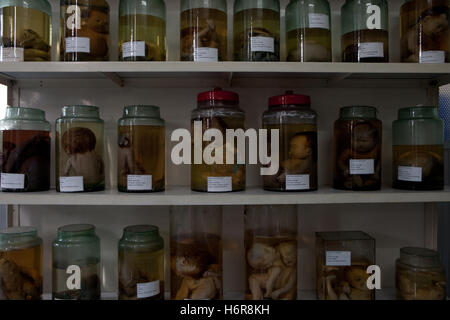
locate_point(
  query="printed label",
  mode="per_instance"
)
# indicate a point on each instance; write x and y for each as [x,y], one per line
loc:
[432,57]
[78,44]
[412,174]
[371,50]
[71,184]
[338,258]
[297,182]
[12,54]
[139,182]
[148,289]
[13,181]
[358,166]
[219,184]
[319,20]
[263,44]
[206,54]
[133,49]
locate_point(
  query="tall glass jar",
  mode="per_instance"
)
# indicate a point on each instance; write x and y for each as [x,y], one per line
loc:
[84,30]
[218,110]
[25,150]
[203,30]
[365,31]
[142,30]
[357,149]
[79,150]
[292,115]
[20,264]
[25,28]
[308,31]
[418,149]
[256,30]
[76,263]
[196,253]
[425,31]
[271,252]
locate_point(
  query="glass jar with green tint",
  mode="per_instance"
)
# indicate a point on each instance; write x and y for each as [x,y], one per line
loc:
[256,30]
[141,263]
[20,264]
[418,149]
[80,165]
[308,31]
[142,30]
[76,263]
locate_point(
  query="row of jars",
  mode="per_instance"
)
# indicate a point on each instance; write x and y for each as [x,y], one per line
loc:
[26,30]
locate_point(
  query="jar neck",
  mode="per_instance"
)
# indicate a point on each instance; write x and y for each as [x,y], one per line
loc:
[80,112]
[141,111]
[140,233]
[76,231]
[18,235]
[218,104]
[358,112]
[241,5]
[208,4]
[419,112]
[13,113]
[419,257]
[290,107]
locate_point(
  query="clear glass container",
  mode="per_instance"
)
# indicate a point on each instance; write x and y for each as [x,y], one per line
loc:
[25,150]
[141,264]
[292,115]
[196,253]
[79,150]
[365,31]
[219,110]
[357,149]
[84,30]
[142,30]
[418,149]
[76,263]
[271,252]
[20,264]
[342,259]
[308,31]
[25,28]
[256,30]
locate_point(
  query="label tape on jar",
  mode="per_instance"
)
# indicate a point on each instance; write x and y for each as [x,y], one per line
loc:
[78,44]
[133,49]
[219,184]
[319,21]
[297,182]
[432,57]
[12,54]
[12,181]
[338,258]
[148,289]
[263,44]
[206,54]
[371,50]
[411,174]
[139,182]
[71,184]
[362,166]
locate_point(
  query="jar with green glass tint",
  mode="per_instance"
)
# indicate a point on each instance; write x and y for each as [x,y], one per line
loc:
[25,150]
[25,27]
[256,30]
[20,264]
[418,149]
[80,165]
[142,30]
[141,150]
[365,31]
[308,31]
[76,263]
[141,263]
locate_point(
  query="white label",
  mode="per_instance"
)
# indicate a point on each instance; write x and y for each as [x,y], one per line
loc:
[71,184]
[78,44]
[371,50]
[319,20]
[297,182]
[139,182]
[263,44]
[338,258]
[13,181]
[219,184]
[12,54]
[148,289]
[358,166]
[432,57]
[133,49]
[206,54]
[412,174]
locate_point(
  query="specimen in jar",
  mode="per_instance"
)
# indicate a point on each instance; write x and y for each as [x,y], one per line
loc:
[416,284]
[353,42]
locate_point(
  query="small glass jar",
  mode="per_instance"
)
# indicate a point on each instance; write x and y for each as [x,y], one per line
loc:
[365,31]
[20,264]
[79,150]
[84,30]
[292,115]
[357,149]
[141,264]
[25,149]
[76,263]
[218,110]
[342,259]
[425,31]
[141,150]
[271,252]
[256,30]
[308,31]
[25,28]
[418,149]
[142,30]
[196,253]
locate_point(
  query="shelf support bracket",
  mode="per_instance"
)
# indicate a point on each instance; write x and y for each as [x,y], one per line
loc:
[338,78]
[230,79]
[114,77]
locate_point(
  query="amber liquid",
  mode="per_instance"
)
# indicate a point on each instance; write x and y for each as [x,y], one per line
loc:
[351,41]
[308,45]
[420,284]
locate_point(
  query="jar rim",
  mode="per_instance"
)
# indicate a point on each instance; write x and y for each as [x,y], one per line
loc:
[141,111]
[18,232]
[358,112]
[418,112]
[76,228]
[21,113]
[419,257]
[141,229]
[82,111]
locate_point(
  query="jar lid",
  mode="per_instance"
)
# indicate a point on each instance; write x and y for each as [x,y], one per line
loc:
[17,232]
[75,229]
[14,113]
[144,111]
[289,98]
[358,112]
[82,111]
[141,229]
[419,257]
[218,95]
[418,112]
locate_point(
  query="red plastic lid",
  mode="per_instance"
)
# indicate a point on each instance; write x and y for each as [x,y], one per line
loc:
[218,94]
[289,98]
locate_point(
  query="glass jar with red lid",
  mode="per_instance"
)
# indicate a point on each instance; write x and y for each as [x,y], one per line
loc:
[292,115]
[216,109]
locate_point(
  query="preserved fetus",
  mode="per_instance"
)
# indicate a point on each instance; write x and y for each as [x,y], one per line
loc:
[420,284]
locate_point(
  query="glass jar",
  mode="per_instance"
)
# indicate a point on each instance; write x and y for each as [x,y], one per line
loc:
[25,27]
[141,264]
[84,30]
[271,252]
[25,150]
[218,110]
[196,253]
[365,31]
[20,264]
[425,31]
[292,115]
[79,150]
[418,149]
[142,30]
[203,30]
[76,263]
[419,275]
[342,259]
[308,31]
[357,149]
[256,30]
